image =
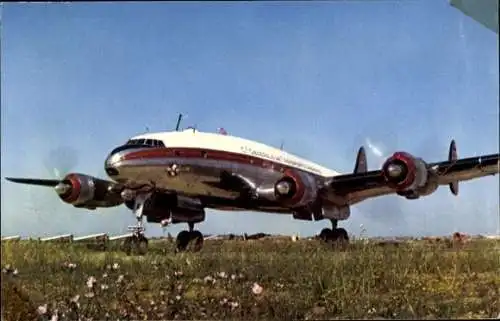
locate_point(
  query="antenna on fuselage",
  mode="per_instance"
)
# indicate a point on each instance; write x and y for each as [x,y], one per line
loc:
[282,144]
[178,122]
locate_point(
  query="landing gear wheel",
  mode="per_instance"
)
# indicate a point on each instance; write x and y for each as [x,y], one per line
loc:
[196,241]
[136,243]
[182,241]
[337,236]
[325,234]
[340,237]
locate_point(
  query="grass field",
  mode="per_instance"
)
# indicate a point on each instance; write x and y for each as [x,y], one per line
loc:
[258,279]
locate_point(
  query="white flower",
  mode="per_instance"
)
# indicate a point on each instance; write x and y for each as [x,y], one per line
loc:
[116,266]
[177,297]
[120,278]
[208,279]
[15,272]
[105,275]
[91,281]
[104,287]
[42,309]
[234,304]
[222,275]
[178,273]
[233,277]
[55,317]
[257,289]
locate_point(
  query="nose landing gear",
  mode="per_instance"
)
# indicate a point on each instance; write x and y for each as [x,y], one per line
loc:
[137,242]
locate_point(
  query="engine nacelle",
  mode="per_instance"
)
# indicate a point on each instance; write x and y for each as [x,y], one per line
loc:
[336,212]
[86,191]
[294,189]
[409,176]
[177,208]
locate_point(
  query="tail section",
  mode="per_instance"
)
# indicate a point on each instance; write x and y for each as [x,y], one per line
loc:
[361,163]
[453,156]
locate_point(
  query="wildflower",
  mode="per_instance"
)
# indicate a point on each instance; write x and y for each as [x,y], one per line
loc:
[233,277]
[105,275]
[104,287]
[208,279]
[89,294]
[91,281]
[178,273]
[15,272]
[55,316]
[116,266]
[234,304]
[42,309]
[177,297]
[223,301]
[120,278]
[257,289]
[222,275]
[74,302]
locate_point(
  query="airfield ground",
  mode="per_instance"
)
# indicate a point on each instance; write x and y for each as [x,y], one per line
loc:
[255,279]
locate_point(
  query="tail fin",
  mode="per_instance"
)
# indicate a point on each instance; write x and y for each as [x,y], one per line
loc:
[453,156]
[361,163]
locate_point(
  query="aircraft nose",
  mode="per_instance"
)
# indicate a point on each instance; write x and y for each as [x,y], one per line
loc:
[110,164]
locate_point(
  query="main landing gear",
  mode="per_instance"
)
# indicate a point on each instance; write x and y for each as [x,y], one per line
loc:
[334,235]
[191,237]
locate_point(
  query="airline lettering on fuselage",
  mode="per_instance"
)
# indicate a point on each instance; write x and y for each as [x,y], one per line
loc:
[278,158]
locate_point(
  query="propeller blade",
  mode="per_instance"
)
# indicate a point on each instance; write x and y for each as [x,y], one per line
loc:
[34,181]
[61,161]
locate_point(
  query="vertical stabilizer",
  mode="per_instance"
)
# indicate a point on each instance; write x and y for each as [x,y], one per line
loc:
[361,165]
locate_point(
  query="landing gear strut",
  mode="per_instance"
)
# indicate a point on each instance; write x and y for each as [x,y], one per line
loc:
[138,240]
[191,237]
[334,235]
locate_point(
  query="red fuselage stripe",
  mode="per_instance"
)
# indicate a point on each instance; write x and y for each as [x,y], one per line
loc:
[208,154]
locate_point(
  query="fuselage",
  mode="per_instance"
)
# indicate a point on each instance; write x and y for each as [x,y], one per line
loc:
[191,163]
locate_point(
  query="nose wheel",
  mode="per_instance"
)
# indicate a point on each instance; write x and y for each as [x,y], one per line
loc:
[335,235]
[190,239]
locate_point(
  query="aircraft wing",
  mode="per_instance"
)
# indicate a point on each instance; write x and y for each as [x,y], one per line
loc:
[411,177]
[483,11]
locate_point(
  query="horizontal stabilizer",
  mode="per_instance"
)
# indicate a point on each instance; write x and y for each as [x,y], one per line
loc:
[35,181]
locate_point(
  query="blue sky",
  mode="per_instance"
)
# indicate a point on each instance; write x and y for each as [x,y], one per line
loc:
[325,77]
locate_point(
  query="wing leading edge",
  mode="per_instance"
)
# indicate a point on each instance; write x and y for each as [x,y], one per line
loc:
[358,186]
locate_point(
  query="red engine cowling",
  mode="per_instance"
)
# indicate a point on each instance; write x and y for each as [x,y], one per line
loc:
[86,191]
[295,189]
[408,175]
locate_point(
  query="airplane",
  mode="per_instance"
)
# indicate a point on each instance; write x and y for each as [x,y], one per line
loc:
[172,177]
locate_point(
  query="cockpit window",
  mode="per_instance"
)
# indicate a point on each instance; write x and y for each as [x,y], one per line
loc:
[146,142]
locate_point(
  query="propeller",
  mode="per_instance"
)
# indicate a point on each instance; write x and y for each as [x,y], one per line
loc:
[60,161]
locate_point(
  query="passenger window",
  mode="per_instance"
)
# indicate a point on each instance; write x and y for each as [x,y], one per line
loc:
[160,144]
[148,142]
